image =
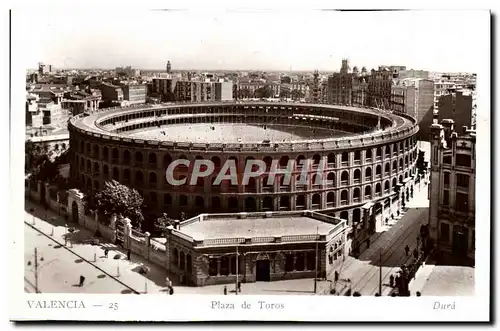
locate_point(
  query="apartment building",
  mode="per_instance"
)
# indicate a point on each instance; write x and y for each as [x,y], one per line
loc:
[452,189]
[458,106]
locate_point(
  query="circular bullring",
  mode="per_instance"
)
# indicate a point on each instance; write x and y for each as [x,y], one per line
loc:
[363,154]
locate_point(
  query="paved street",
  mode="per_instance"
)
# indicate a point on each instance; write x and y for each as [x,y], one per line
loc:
[444,279]
[363,272]
[59,269]
[387,250]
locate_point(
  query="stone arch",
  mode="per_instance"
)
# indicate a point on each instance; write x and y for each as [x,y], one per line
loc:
[139,177]
[199,201]
[152,178]
[299,159]
[401,162]
[116,173]
[387,186]
[331,179]
[284,161]
[139,157]
[379,152]
[394,165]
[394,182]
[105,153]
[378,170]
[378,188]
[400,178]
[387,168]
[115,154]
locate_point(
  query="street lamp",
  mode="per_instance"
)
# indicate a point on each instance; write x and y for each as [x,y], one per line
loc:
[37,268]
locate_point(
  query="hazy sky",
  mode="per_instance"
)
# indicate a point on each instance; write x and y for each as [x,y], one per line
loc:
[267,40]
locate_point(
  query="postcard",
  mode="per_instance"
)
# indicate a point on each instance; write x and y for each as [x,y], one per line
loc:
[226,164]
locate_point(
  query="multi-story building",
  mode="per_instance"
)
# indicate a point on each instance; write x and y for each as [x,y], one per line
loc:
[458,106]
[44,69]
[134,93]
[452,189]
[223,91]
[82,101]
[379,88]
[111,94]
[411,73]
[442,88]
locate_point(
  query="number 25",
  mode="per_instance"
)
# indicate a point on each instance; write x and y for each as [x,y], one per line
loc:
[113,306]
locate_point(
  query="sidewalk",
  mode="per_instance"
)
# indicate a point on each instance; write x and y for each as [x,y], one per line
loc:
[126,271]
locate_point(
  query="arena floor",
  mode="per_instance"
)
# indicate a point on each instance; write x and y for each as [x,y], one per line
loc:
[235,133]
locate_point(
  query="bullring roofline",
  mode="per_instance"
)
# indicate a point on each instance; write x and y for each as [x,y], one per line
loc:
[404,126]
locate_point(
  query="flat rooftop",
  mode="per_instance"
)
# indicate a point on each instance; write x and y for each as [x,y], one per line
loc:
[276,226]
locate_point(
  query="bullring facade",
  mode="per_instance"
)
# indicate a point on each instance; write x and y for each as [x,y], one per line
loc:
[370,164]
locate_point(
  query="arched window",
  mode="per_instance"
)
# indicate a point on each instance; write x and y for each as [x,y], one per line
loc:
[139,177]
[368,154]
[368,192]
[167,199]
[379,152]
[344,179]
[357,156]
[378,170]
[268,161]
[345,157]
[114,155]
[105,155]
[152,158]
[394,165]
[316,159]
[285,203]
[126,156]
[387,186]
[299,161]
[343,197]
[394,182]
[401,163]
[357,176]
[330,198]
[316,201]
[331,158]
[138,157]
[199,202]
[284,161]
[387,169]
[167,159]
[216,203]
[267,204]
[176,257]
[368,173]
[356,194]
[216,161]
[152,179]
[331,179]
[378,189]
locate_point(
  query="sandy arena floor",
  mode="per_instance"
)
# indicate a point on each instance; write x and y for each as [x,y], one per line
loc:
[234,133]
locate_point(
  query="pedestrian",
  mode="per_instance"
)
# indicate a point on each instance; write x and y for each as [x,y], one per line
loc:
[415,254]
[225,290]
[128,254]
[82,280]
[368,243]
[407,250]
[239,286]
[168,282]
[106,251]
[171,290]
[418,241]
[336,276]
[391,280]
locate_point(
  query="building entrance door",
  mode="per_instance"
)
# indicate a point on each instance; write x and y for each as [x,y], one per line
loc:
[459,245]
[263,271]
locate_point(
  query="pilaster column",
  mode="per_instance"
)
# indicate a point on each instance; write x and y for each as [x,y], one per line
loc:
[218,266]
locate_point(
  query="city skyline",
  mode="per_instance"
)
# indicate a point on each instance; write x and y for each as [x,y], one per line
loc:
[285,42]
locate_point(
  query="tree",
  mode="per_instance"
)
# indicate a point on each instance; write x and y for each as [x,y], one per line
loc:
[34,156]
[118,199]
[263,92]
[296,94]
[244,93]
[420,162]
[162,223]
[285,94]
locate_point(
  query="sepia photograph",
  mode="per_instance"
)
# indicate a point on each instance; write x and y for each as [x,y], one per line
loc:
[242,161]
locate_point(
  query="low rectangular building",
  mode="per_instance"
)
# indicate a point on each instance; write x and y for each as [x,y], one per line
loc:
[215,248]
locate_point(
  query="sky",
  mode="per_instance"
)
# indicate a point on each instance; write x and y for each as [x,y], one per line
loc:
[443,41]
